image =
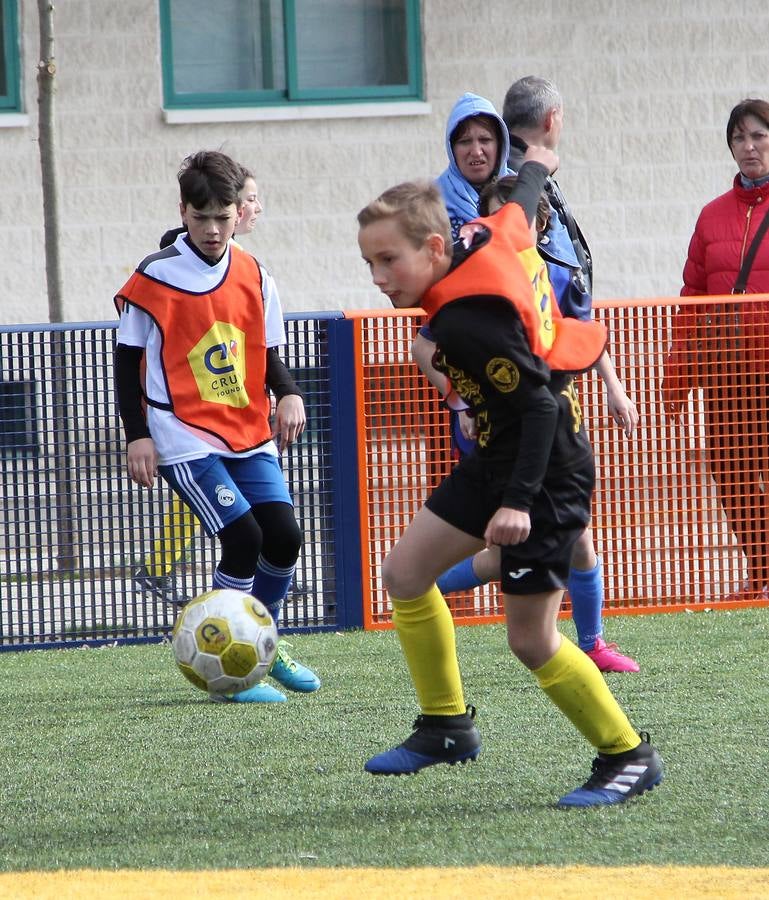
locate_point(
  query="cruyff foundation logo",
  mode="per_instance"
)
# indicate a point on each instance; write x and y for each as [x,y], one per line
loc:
[218,363]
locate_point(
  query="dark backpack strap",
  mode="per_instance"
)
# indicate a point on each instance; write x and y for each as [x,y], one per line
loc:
[742,279]
[564,213]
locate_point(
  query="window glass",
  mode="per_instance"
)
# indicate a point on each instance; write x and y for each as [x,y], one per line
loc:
[3,61]
[238,46]
[344,43]
[9,58]
[252,52]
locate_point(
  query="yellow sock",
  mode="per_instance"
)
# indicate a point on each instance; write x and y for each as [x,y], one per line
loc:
[177,531]
[426,632]
[574,684]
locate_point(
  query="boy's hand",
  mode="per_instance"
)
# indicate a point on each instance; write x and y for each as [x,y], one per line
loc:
[467,425]
[143,462]
[543,155]
[623,410]
[290,419]
[507,526]
[468,231]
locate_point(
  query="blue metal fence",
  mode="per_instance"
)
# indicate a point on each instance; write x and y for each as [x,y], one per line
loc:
[73,528]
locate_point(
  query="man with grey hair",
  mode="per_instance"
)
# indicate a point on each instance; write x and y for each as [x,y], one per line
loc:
[533,113]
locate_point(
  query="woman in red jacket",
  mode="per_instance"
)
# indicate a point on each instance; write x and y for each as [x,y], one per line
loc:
[724,348]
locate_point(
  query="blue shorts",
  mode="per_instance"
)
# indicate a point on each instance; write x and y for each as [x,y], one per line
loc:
[220,490]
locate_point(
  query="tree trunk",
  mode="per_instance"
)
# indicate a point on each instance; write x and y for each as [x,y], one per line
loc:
[66,503]
[46,82]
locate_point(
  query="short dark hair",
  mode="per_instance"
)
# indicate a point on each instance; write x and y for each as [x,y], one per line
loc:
[528,100]
[749,107]
[500,190]
[210,176]
[247,173]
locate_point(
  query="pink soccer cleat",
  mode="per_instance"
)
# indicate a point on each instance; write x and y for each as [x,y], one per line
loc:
[608,658]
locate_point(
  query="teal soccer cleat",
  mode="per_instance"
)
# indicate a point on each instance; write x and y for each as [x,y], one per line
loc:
[618,777]
[291,674]
[259,693]
[436,739]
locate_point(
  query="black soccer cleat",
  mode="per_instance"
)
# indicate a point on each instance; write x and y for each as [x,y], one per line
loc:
[161,587]
[436,739]
[618,777]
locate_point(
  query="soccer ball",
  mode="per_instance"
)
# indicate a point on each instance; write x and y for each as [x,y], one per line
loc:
[224,641]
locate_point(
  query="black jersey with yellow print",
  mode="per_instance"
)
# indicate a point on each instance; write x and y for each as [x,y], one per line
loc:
[528,418]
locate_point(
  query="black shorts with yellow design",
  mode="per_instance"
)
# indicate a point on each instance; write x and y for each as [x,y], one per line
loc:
[470,495]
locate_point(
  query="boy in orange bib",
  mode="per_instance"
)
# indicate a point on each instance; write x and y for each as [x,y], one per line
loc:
[196,348]
[527,488]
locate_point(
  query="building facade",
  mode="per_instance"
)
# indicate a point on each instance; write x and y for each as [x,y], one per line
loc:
[331,101]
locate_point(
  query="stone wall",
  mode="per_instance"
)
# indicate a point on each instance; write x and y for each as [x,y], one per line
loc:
[647,86]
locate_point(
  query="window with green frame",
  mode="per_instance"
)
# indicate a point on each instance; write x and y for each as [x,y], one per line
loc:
[271,52]
[9,58]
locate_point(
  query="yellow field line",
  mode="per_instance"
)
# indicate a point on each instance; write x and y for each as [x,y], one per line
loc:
[527,883]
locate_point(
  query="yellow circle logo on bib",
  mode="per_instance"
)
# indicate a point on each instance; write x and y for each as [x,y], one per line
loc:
[218,362]
[503,374]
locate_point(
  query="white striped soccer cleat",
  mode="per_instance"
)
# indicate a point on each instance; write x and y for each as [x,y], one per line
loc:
[618,777]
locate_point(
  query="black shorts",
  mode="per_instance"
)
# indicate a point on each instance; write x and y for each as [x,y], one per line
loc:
[470,495]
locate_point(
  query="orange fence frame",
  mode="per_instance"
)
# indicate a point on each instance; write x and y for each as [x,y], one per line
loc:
[657,521]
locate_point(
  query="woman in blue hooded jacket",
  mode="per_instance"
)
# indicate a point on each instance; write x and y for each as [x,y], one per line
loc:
[477,147]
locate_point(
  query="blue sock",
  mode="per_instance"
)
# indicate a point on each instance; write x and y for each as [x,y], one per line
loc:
[586,592]
[460,577]
[271,585]
[222,581]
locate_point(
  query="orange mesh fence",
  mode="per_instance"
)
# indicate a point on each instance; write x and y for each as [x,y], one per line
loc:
[404,450]
[680,508]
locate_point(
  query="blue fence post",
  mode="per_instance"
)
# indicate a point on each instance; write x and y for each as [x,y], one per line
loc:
[344,453]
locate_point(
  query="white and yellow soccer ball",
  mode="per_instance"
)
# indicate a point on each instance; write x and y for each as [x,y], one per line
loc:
[224,641]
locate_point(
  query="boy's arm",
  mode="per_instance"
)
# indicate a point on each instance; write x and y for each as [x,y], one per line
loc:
[528,189]
[533,174]
[493,331]
[141,454]
[537,411]
[290,415]
[511,523]
[129,391]
[422,352]
[278,378]
[621,407]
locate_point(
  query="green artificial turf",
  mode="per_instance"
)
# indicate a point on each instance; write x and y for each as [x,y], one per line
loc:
[110,759]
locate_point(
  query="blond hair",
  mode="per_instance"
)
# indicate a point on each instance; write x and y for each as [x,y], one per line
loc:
[417,207]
